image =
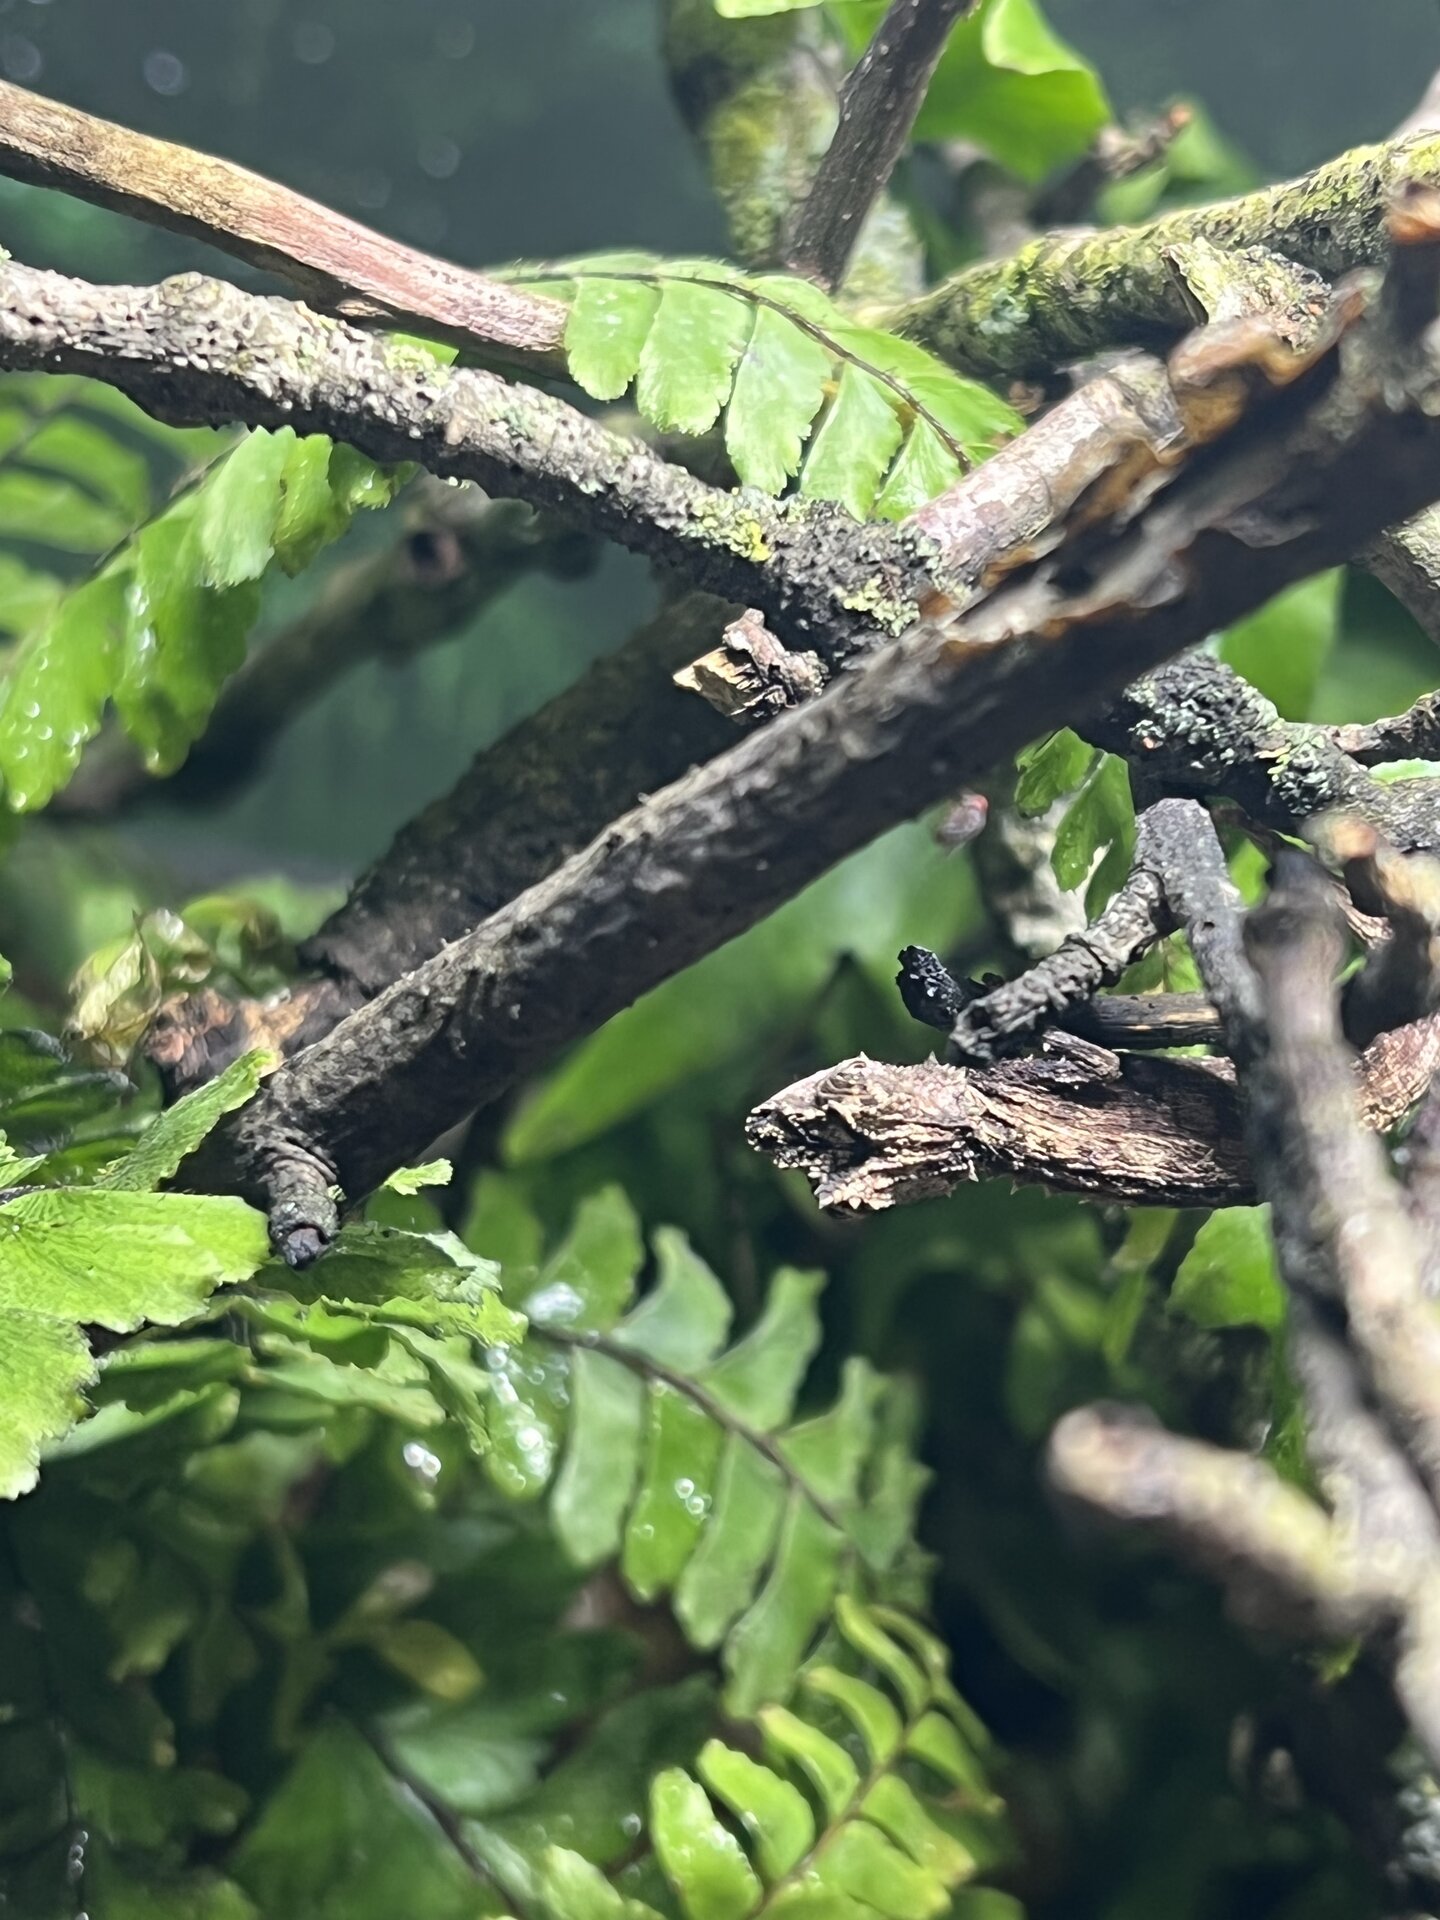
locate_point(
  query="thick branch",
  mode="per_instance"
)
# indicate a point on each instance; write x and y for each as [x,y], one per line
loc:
[1342,1231]
[1414,734]
[335,263]
[195,350]
[447,862]
[1071,294]
[526,804]
[878,105]
[1279,1555]
[712,854]
[1407,561]
[1197,727]
[1077,1119]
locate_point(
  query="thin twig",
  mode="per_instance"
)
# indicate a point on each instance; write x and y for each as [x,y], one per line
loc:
[878,104]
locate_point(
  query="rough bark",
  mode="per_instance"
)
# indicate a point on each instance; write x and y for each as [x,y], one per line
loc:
[1297,483]
[1067,295]
[194,350]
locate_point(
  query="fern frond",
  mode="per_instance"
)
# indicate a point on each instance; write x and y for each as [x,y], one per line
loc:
[871,1798]
[807,393]
[130,561]
[681,1457]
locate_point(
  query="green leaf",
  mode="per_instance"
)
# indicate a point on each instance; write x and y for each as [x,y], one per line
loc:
[44,1363]
[861,1862]
[725,1569]
[119,1260]
[185,635]
[684,1319]
[776,355]
[607,328]
[81,448]
[779,389]
[757,1380]
[688,361]
[116,1260]
[854,445]
[681,1453]
[573,1889]
[178,1131]
[872,1712]
[55,513]
[927,466]
[1283,648]
[774,1813]
[702,1860]
[1102,815]
[310,513]
[594,1487]
[425,1653]
[240,509]
[410,1180]
[826,1765]
[55,689]
[1010,84]
[588,1281]
[1054,766]
[1229,1278]
[340,1840]
[769,1644]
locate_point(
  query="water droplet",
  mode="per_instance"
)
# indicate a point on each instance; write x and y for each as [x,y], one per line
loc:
[684,1488]
[20,58]
[630,1825]
[75,1856]
[454,39]
[439,156]
[166,72]
[372,188]
[424,1464]
[313,42]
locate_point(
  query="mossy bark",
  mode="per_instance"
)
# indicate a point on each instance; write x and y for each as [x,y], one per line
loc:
[1068,295]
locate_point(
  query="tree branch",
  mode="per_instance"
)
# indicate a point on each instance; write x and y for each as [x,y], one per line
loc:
[1079,1118]
[336,264]
[1068,295]
[1335,457]
[1197,727]
[195,350]
[525,804]
[760,97]
[878,104]
[446,865]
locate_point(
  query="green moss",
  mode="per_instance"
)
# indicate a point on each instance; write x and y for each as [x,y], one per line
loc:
[880,605]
